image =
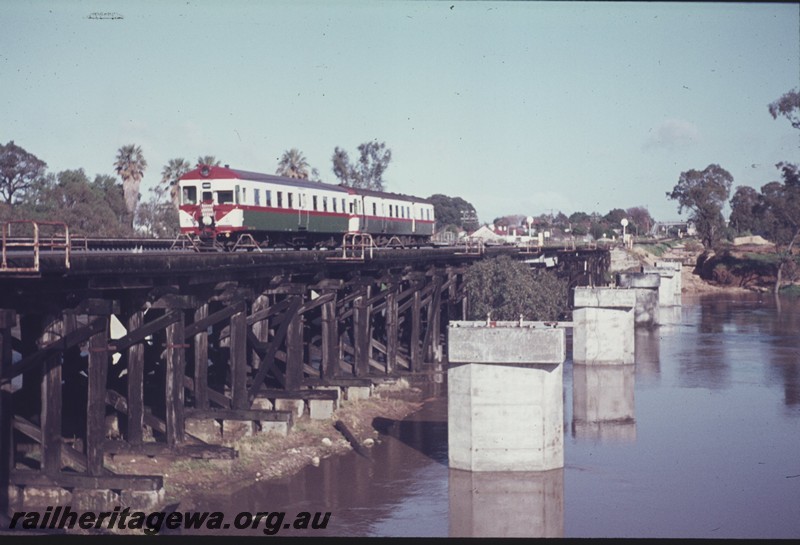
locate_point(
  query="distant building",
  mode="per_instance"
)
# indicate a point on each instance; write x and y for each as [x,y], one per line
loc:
[488,235]
[663,228]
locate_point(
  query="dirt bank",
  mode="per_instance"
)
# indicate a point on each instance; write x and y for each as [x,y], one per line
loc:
[691,282]
[269,455]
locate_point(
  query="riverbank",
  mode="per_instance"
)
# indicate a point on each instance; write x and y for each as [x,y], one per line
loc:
[737,270]
[266,456]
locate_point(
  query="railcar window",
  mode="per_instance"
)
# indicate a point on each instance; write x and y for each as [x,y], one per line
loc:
[374,209]
[267,197]
[314,202]
[344,208]
[237,200]
[224,197]
[333,202]
[244,195]
[190,194]
[257,197]
[207,196]
[324,204]
[280,199]
[289,200]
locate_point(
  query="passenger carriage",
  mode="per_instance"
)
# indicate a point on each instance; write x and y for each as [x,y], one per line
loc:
[222,204]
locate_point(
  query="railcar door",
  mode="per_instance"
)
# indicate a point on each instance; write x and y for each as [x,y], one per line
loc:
[357,219]
[302,211]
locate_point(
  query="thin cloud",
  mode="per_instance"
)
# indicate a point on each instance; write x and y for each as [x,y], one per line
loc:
[673,134]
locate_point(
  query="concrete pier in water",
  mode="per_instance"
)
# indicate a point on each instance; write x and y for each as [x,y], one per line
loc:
[505,404]
[646,287]
[669,292]
[603,321]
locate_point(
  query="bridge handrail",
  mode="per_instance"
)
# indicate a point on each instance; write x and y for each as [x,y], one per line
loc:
[472,246]
[57,241]
[355,245]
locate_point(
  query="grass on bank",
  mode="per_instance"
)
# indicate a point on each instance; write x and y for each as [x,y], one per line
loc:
[659,248]
[791,291]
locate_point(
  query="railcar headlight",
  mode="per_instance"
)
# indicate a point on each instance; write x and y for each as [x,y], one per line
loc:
[207,220]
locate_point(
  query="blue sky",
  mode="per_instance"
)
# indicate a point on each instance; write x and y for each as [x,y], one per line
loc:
[518,107]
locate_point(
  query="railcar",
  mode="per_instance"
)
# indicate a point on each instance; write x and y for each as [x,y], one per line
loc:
[222,204]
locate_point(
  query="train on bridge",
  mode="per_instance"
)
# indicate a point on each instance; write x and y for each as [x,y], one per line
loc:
[220,204]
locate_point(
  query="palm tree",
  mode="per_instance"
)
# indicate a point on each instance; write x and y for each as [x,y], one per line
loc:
[208,160]
[130,166]
[293,164]
[170,174]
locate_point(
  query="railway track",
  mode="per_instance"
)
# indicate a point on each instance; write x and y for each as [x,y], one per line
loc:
[51,250]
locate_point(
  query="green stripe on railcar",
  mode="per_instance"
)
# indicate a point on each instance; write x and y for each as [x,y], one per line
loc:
[325,223]
[293,221]
[425,228]
[391,226]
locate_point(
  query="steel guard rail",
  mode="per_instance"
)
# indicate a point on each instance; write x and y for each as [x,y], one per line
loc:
[57,239]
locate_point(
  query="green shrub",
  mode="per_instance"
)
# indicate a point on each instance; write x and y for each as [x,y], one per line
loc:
[723,276]
[791,291]
[507,288]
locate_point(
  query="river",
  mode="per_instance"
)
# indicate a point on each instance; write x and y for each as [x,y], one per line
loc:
[700,438]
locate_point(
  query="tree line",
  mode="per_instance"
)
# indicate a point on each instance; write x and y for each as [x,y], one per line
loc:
[773,212]
[581,224]
[114,206]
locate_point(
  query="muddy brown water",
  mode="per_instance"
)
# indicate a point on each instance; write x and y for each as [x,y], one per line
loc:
[700,438]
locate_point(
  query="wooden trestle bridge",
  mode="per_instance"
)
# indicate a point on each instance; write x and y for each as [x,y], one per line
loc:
[206,336]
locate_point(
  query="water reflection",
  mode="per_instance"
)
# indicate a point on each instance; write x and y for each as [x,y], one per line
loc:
[704,364]
[755,328]
[669,315]
[647,353]
[506,504]
[784,368]
[603,402]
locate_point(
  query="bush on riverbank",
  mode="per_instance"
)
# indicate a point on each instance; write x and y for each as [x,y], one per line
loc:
[791,291]
[507,288]
[751,270]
